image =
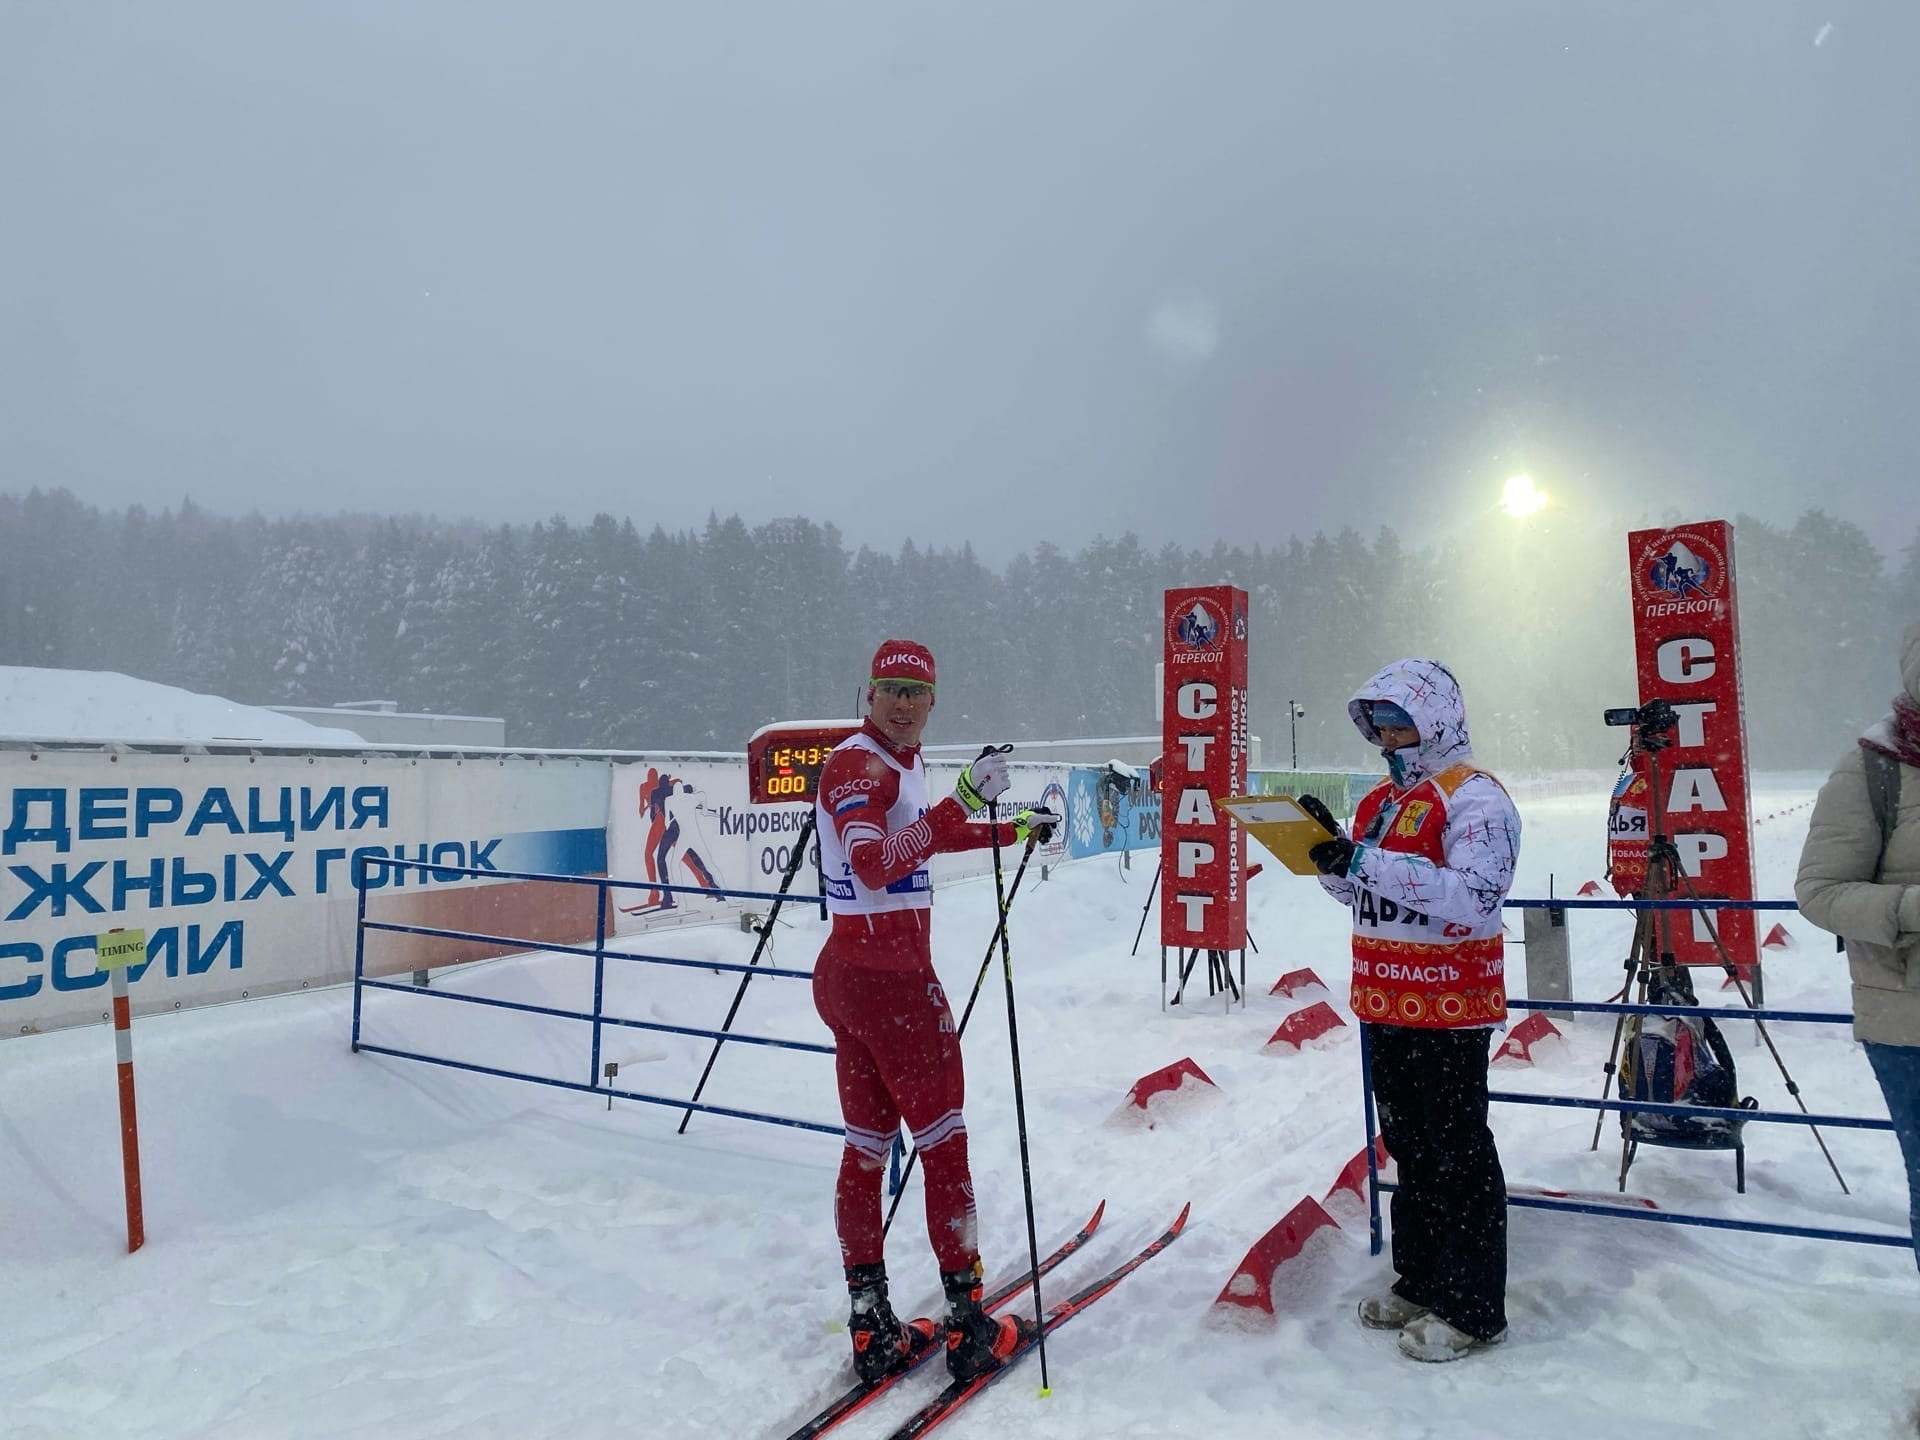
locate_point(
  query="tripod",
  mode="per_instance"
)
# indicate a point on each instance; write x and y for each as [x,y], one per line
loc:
[1651,964]
[1219,974]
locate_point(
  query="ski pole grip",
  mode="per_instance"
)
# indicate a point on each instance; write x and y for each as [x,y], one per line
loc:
[965,788]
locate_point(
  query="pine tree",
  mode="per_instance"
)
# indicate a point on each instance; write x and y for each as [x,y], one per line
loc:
[544,675]
[1112,604]
[50,551]
[607,642]
[961,602]
[393,568]
[1842,634]
[596,637]
[301,636]
[734,697]
[672,626]
[800,613]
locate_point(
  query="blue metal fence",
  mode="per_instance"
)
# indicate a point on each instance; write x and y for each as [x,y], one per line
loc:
[596,1018]
[1723,1015]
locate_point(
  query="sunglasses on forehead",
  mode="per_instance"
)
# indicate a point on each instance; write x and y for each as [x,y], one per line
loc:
[902,689]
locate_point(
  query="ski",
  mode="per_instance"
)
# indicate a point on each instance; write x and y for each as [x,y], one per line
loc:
[957,1394]
[857,1396]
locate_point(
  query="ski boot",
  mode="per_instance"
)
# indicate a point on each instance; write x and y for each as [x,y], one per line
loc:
[976,1341]
[882,1345]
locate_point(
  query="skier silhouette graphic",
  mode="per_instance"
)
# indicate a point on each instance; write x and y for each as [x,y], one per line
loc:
[662,799]
[1680,570]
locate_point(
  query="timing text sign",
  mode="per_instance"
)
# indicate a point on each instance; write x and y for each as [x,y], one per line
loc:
[1686,640]
[118,949]
[1203,892]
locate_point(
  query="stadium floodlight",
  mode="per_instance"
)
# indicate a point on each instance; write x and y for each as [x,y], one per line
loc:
[1522,497]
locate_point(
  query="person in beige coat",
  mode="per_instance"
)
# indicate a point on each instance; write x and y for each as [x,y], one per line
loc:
[1861,880]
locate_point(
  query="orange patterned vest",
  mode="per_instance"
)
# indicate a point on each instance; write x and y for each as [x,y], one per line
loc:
[1408,968]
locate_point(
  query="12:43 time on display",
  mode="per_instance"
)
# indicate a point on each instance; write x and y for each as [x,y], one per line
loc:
[784,761]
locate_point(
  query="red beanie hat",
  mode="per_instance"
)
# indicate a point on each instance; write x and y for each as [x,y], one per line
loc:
[902,660]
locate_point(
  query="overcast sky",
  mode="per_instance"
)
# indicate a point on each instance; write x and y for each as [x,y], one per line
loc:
[992,272]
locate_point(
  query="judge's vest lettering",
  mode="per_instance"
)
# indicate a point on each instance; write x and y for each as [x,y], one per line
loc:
[1408,968]
[1627,834]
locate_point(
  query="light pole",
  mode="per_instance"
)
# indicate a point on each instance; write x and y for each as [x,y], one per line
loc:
[1294,711]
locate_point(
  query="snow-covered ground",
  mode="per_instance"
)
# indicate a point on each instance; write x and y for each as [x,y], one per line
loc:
[347,1246]
[37,703]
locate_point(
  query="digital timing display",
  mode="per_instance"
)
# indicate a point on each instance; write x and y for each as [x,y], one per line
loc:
[784,761]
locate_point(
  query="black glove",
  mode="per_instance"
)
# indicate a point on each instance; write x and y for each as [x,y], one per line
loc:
[1332,857]
[1314,807]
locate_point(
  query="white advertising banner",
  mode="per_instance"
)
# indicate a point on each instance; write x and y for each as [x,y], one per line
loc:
[239,868]
[687,822]
[1033,784]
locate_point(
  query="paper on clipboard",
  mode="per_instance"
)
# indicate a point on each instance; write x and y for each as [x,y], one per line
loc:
[1278,822]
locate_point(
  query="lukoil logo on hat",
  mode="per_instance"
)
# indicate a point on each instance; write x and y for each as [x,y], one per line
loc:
[902,660]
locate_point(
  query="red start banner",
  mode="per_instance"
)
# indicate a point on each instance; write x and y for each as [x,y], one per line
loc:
[1203,885]
[1686,641]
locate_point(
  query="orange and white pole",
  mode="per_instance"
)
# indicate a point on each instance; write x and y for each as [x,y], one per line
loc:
[114,951]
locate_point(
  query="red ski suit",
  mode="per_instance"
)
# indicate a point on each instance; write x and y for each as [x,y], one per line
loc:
[896,1055]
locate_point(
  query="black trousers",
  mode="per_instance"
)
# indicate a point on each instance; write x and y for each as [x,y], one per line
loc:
[1450,1210]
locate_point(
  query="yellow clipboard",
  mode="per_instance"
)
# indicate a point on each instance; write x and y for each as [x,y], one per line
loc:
[1278,822]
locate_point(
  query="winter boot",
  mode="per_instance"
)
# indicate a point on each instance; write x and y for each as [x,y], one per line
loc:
[976,1341]
[882,1346]
[1433,1340]
[1389,1310]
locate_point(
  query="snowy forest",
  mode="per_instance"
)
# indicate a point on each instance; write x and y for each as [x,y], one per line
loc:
[614,634]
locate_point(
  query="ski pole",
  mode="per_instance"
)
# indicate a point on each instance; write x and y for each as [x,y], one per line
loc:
[766,933]
[979,980]
[1019,1092]
[999,934]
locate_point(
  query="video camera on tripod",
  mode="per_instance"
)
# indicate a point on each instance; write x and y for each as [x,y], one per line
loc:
[1663,981]
[1653,723]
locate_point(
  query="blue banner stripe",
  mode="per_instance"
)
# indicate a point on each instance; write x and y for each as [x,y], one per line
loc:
[554,852]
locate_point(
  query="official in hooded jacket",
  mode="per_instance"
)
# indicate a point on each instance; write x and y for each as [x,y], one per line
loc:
[1863,883]
[1429,863]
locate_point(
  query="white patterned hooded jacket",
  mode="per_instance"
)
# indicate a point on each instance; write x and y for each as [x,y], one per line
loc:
[1436,844]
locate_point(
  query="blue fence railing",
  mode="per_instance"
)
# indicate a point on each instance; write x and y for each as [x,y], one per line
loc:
[1705,902]
[597,1019]
[1721,1014]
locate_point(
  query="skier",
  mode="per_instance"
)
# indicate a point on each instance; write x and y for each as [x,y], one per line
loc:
[896,1054]
[1425,881]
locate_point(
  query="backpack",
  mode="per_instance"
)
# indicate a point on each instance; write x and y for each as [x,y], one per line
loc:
[1679,1060]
